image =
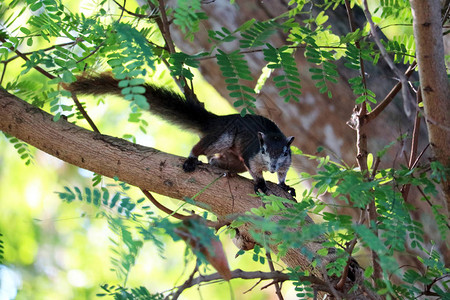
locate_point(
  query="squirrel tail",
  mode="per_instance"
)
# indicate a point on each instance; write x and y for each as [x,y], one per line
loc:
[172,107]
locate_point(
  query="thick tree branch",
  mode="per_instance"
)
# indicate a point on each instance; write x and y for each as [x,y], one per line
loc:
[146,168]
[140,166]
[137,165]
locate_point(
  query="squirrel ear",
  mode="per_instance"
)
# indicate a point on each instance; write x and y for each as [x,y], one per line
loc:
[289,140]
[261,137]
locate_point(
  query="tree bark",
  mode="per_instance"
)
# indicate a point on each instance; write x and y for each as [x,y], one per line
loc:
[140,166]
[433,80]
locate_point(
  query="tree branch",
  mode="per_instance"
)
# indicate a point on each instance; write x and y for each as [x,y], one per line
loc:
[238,273]
[146,168]
[389,97]
[272,269]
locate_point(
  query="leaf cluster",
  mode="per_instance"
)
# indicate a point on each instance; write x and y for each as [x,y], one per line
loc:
[122,293]
[23,150]
[235,68]
[188,15]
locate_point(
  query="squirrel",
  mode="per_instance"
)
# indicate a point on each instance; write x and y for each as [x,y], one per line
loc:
[237,144]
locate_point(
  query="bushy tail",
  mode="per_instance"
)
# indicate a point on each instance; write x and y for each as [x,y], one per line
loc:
[172,107]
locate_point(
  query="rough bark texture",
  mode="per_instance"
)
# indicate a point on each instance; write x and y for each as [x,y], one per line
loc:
[140,166]
[433,79]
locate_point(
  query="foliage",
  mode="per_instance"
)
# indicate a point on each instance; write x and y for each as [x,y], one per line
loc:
[234,68]
[22,149]
[289,80]
[64,44]
[121,293]
[187,17]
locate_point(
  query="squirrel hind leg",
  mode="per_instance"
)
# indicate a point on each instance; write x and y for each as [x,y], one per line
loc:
[190,164]
[229,161]
[209,145]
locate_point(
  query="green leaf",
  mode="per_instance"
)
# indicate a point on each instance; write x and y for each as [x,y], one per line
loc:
[370,160]
[34,7]
[124,83]
[25,30]
[368,271]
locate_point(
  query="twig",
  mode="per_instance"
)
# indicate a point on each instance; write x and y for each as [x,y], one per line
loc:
[377,271]
[446,14]
[130,12]
[349,250]
[330,285]
[361,141]
[414,142]
[269,284]
[359,119]
[164,27]
[238,273]
[407,101]
[43,50]
[257,50]
[420,156]
[163,208]
[24,57]
[352,24]
[216,225]
[429,202]
[390,96]
[253,286]
[92,53]
[375,168]
[272,269]
[351,19]
[180,290]
[50,76]
[344,275]
[122,11]
[359,115]
[84,113]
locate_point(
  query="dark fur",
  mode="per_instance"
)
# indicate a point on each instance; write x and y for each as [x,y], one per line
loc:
[231,142]
[163,102]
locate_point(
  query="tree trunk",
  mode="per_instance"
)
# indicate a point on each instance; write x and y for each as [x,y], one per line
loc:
[433,80]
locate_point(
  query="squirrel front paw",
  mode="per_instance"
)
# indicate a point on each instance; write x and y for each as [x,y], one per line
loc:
[190,164]
[260,186]
[287,188]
